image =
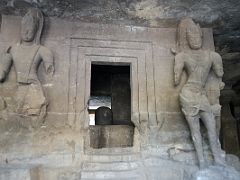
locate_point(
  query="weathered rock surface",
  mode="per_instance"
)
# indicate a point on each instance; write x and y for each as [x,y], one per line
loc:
[223,15]
[217,173]
[57,151]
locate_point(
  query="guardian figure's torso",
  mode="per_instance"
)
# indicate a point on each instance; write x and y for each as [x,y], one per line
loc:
[26,61]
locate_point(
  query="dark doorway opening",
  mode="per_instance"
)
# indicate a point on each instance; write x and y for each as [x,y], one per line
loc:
[110,87]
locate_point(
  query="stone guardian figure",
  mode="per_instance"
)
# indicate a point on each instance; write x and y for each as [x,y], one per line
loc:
[195,105]
[26,57]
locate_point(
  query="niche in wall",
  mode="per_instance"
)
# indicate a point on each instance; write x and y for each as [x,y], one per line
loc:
[110,87]
[110,106]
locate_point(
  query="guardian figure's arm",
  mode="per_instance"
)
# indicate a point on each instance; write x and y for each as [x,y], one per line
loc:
[48,60]
[178,68]
[217,64]
[218,68]
[5,65]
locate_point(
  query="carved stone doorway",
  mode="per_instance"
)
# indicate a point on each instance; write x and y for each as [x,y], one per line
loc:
[110,87]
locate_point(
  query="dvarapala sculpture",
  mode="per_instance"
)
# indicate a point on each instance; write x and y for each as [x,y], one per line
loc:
[198,64]
[26,57]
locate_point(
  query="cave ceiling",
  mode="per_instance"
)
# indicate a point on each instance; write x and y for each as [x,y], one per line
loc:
[222,15]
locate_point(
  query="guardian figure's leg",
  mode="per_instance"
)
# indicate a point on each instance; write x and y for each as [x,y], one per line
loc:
[210,123]
[194,126]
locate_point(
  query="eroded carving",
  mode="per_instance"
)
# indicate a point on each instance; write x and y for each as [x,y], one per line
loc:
[198,64]
[26,57]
